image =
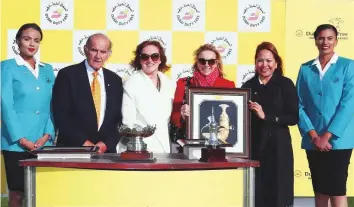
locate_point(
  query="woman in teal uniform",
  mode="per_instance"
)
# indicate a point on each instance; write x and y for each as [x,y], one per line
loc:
[26,93]
[325,87]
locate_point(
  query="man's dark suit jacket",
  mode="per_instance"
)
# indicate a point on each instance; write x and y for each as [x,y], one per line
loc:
[74,111]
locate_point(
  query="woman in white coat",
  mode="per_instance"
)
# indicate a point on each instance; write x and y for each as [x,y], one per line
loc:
[148,96]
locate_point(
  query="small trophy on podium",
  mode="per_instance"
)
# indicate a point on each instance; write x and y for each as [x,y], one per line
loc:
[136,147]
[213,152]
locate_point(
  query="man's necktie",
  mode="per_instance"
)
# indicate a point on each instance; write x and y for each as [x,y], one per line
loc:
[96,94]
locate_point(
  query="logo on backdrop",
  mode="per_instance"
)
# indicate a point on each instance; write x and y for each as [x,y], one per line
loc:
[122,14]
[188,15]
[253,15]
[163,37]
[247,76]
[159,39]
[336,21]
[56,13]
[123,72]
[297,173]
[56,69]
[223,45]
[58,66]
[299,33]
[15,48]
[308,175]
[82,42]
[185,72]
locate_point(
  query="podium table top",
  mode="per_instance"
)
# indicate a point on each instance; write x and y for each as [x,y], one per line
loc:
[171,161]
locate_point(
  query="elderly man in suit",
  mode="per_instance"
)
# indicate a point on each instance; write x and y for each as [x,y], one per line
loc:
[87,100]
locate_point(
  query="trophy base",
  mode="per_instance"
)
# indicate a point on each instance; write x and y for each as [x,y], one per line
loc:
[139,155]
[210,154]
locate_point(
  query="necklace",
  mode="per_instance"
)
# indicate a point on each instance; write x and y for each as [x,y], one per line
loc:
[158,85]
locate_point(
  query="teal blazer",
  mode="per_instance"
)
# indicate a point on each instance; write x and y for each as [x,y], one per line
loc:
[25,104]
[327,104]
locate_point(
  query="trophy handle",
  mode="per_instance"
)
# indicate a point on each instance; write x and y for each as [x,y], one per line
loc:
[201,131]
[207,125]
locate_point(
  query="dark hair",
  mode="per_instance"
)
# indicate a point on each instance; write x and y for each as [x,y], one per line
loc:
[208,47]
[270,47]
[135,62]
[27,26]
[324,27]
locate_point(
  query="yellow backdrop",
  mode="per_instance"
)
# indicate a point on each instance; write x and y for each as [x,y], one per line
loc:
[302,18]
[236,27]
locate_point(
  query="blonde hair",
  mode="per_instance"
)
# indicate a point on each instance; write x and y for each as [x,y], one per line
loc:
[208,47]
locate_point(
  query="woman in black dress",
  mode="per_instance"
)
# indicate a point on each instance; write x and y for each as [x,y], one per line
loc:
[274,106]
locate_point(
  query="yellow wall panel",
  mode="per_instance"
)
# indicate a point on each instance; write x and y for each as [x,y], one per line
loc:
[222,16]
[124,43]
[57,46]
[155,15]
[184,44]
[89,16]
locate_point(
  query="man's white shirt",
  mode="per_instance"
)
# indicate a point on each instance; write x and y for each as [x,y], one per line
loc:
[100,78]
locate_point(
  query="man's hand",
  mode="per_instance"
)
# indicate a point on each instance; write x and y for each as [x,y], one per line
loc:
[88,143]
[41,141]
[102,146]
[27,144]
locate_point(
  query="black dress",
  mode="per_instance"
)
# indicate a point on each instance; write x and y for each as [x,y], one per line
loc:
[271,140]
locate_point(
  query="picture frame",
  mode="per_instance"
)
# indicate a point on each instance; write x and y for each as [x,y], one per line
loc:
[231,113]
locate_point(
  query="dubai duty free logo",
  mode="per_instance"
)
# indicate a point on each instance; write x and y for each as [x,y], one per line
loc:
[185,72]
[56,13]
[338,22]
[223,45]
[247,76]
[253,15]
[297,173]
[159,39]
[15,48]
[335,21]
[122,14]
[123,72]
[56,69]
[188,15]
[81,44]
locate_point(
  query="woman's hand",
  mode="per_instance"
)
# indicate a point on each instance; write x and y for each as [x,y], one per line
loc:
[185,111]
[322,142]
[254,106]
[41,141]
[27,144]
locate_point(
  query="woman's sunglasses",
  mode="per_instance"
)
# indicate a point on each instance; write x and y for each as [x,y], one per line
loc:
[154,57]
[210,62]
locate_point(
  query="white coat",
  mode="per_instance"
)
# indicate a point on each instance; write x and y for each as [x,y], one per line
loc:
[144,105]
